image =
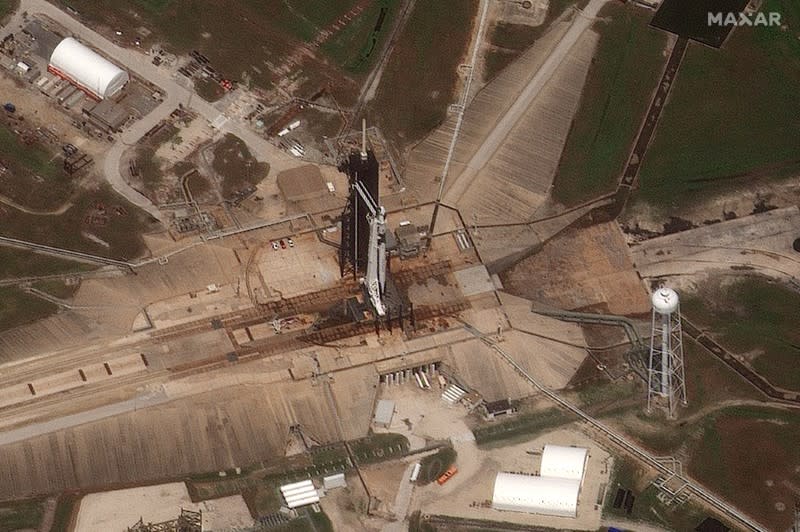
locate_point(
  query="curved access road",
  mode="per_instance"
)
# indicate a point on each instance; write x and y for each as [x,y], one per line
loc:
[175,94]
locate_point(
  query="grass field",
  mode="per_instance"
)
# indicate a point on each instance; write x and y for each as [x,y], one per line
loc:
[236,165]
[23,263]
[121,230]
[20,308]
[243,38]
[370,29]
[722,119]
[21,515]
[647,507]
[420,78]
[750,456]
[32,177]
[621,79]
[7,7]
[753,316]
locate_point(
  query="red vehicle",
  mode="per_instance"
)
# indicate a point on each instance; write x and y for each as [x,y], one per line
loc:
[283,244]
[447,475]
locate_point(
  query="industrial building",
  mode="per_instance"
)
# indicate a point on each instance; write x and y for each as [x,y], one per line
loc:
[299,494]
[555,492]
[564,462]
[81,66]
[538,495]
[384,413]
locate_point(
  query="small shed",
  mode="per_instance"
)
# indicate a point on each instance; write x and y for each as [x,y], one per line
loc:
[384,413]
[498,408]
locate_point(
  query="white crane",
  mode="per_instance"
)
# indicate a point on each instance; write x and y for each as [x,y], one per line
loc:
[375,280]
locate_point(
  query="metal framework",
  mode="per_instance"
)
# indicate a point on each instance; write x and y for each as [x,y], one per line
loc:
[187,521]
[665,374]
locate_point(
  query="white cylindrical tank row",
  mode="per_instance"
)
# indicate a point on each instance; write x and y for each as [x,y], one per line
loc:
[424,375]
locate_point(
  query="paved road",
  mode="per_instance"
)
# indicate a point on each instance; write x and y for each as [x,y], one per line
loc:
[493,141]
[32,430]
[174,94]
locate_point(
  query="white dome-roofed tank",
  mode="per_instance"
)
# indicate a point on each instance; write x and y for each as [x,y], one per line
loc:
[88,70]
[665,300]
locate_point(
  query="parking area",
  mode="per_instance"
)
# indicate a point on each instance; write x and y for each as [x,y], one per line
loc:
[291,270]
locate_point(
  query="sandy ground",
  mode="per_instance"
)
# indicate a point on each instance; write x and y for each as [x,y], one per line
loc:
[466,494]
[114,511]
[761,242]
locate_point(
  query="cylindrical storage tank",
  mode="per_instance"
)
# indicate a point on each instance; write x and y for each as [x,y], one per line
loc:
[88,70]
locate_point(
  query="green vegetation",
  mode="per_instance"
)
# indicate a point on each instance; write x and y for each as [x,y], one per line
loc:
[23,263]
[521,426]
[433,466]
[379,447]
[7,7]
[624,73]
[20,308]
[416,524]
[722,121]
[508,40]
[240,38]
[355,47]
[236,165]
[148,163]
[21,515]
[208,89]
[32,177]
[648,508]
[67,504]
[753,316]
[419,81]
[119,225]
[749,456]
[263,499]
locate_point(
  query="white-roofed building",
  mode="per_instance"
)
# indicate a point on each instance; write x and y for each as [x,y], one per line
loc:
[300,494]
[554,492]
[564,462]
[81,66]
[532,494]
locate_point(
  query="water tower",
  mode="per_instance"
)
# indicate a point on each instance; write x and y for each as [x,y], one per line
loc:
[665,379]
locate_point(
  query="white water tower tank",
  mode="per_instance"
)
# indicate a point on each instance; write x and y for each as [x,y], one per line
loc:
[665,300]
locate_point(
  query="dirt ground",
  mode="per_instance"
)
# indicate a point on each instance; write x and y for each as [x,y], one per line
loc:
[117,510]
[469,491]
[587,267]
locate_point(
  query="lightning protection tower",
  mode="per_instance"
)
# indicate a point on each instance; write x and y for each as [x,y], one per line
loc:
[665,378]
